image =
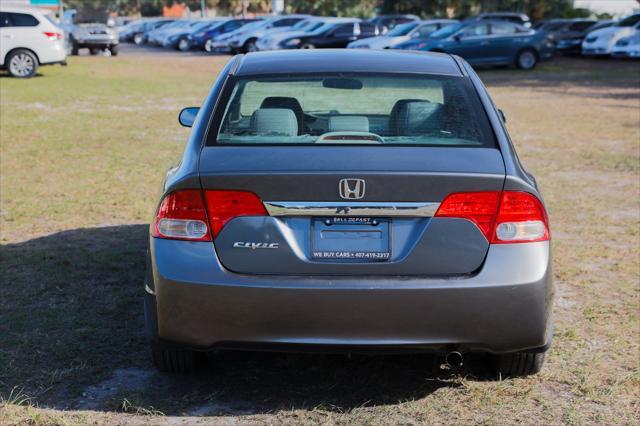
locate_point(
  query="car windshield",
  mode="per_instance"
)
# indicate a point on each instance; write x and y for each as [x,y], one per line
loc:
[629,22]
[403,29]
[354,109]
[447,31]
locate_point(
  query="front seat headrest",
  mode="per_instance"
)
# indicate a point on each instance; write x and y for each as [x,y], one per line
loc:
[274,122]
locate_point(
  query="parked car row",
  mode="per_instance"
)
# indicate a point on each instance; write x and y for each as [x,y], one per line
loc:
[502,38]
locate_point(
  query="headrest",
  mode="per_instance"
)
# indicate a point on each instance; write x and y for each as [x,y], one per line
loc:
[348,123]
[274,122]
[408,116]
[285,102]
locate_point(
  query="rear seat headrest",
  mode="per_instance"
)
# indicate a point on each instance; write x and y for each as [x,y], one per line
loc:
[408,116]
[274,121]
[348,123]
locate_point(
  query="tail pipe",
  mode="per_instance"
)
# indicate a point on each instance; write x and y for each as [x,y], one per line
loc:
[453,359]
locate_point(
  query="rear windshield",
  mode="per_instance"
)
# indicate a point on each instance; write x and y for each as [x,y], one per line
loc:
[354,109]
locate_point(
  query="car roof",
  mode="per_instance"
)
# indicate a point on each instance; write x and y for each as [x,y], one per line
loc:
[347,60]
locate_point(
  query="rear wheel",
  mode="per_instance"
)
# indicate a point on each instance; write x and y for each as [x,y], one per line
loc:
[114,50]
[173,360]
[518,364]
[526,59]
[22,63]
[75,49]
[183,45]
[138,39]
[307,46]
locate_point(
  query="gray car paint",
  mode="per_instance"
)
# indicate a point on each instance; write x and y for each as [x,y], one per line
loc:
[193,300]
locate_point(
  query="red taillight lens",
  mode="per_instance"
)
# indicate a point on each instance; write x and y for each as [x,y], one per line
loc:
[223,206]
[521,218]
[478,207]
[507,217]
[53,36]
[182,216]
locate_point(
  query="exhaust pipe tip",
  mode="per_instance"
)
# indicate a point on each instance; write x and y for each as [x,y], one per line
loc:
[453,359]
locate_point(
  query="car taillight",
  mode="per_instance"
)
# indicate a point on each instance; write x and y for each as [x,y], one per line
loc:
[53,36]
[478,207]
[507,217]
[521,218]
[223,206]
[182,216]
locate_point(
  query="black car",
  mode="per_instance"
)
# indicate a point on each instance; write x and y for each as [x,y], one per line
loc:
[332,35]
[569,37]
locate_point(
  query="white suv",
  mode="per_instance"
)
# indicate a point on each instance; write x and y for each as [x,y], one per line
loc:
[29,38]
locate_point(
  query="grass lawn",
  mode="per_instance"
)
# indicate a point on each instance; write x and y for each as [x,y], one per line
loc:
[82,154]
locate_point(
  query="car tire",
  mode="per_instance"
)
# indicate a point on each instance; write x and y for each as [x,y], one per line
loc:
[173,360]
[94,51]
[208,46]
[183,45]
[518,364]
[75,48]
[138,39]
[526,59]
[22,63]
[249,46]
[307,46]
[114,50]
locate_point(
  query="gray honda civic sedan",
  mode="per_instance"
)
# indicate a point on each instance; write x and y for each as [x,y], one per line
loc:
[346,200]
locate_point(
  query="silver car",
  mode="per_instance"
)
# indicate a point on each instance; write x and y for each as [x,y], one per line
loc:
[348,200]
[95,37]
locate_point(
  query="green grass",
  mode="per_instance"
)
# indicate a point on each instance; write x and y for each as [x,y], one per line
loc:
[82,154]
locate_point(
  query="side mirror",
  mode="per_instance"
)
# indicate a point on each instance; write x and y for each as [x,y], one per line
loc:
[187,116]
[502,116]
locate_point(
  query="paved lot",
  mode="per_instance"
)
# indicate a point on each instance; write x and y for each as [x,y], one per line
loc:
[82,152]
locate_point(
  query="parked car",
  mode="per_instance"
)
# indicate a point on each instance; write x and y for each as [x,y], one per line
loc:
[601,42]
[627,47]
[220,43]
[516,18]
[301,29]
[179,38]
[402,33]
[270,41]
[332,35]
[95,37]
[156,36]
[30,38]
[137,31]
[350,200]
[389,22]
[569,37]
[244,40]
[491,43]
[199,39]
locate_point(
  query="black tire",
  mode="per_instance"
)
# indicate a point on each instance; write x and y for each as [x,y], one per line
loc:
[114,50]
[94,51]
[75,49]
[22,63]
[249,46]
[518,364]
[173,360]
[526,59]
[307,46]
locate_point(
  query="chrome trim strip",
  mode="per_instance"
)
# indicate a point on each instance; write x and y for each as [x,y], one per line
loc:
[345,208]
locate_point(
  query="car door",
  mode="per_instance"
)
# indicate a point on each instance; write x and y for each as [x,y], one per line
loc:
[505,41]
[341,35]
[471,43]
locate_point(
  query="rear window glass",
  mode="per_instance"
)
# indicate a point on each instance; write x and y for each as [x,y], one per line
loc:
[354,109]
[22,20]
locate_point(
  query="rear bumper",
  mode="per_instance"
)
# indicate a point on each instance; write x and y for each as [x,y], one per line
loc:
[506,307]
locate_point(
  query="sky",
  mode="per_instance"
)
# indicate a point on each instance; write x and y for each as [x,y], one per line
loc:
[614,7]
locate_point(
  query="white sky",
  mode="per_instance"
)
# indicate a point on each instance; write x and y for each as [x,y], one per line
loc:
[614,7]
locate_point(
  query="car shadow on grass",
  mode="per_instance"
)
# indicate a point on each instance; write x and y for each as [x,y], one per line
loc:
[72,337]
